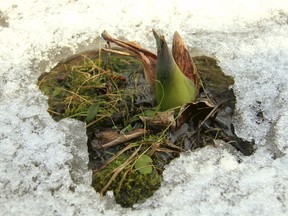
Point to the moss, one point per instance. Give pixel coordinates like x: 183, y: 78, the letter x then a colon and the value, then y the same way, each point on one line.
x: 137, y: 187
x: 101, y: 178
x: 80, y: 83
x: 130, y: 186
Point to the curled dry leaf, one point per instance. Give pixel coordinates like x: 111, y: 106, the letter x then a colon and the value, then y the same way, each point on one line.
x: 198, y: 110
x: 147, y: 58
x: 131, y: 47
x: 149, y: 69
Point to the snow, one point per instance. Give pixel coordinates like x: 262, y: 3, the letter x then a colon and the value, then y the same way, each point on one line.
x: 43, y: 164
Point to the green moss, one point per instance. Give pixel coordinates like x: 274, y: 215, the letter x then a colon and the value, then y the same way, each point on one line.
x: 101, y: 178
x: 76, y: 85
x: 137, y: 187
x: 130, y: 186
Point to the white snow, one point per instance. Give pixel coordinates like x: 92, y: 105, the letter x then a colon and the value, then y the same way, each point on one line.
x: 43, y: 164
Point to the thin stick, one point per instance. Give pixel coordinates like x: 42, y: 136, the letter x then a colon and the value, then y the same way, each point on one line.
x: 116, y: 52
x: 124, y: 138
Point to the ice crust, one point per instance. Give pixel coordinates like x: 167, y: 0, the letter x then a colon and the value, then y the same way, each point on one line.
x: 43, y: 164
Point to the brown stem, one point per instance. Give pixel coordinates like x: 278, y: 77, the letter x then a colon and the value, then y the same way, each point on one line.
x: 124, y: 138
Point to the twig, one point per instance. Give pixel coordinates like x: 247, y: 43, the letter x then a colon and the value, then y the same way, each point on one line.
x: 116, y: 52
x: 126, y: 137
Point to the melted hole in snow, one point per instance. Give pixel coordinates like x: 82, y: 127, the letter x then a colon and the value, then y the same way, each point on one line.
x: 127, y: 148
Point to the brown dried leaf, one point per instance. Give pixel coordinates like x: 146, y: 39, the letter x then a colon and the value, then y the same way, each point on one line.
x: 199, y: 110
x: 129, y: 46
x: 162, y: 119
x: 184, y: 60
x: 149, y: 69
x: 147, y: 58
x: 107, y: 135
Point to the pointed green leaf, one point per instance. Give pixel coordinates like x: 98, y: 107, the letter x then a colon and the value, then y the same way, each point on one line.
x: 150, y: 113
x: 92, y: 112
x: 56, y: 92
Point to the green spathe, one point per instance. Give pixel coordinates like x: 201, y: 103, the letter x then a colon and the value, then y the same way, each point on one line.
x: 172, y: 87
